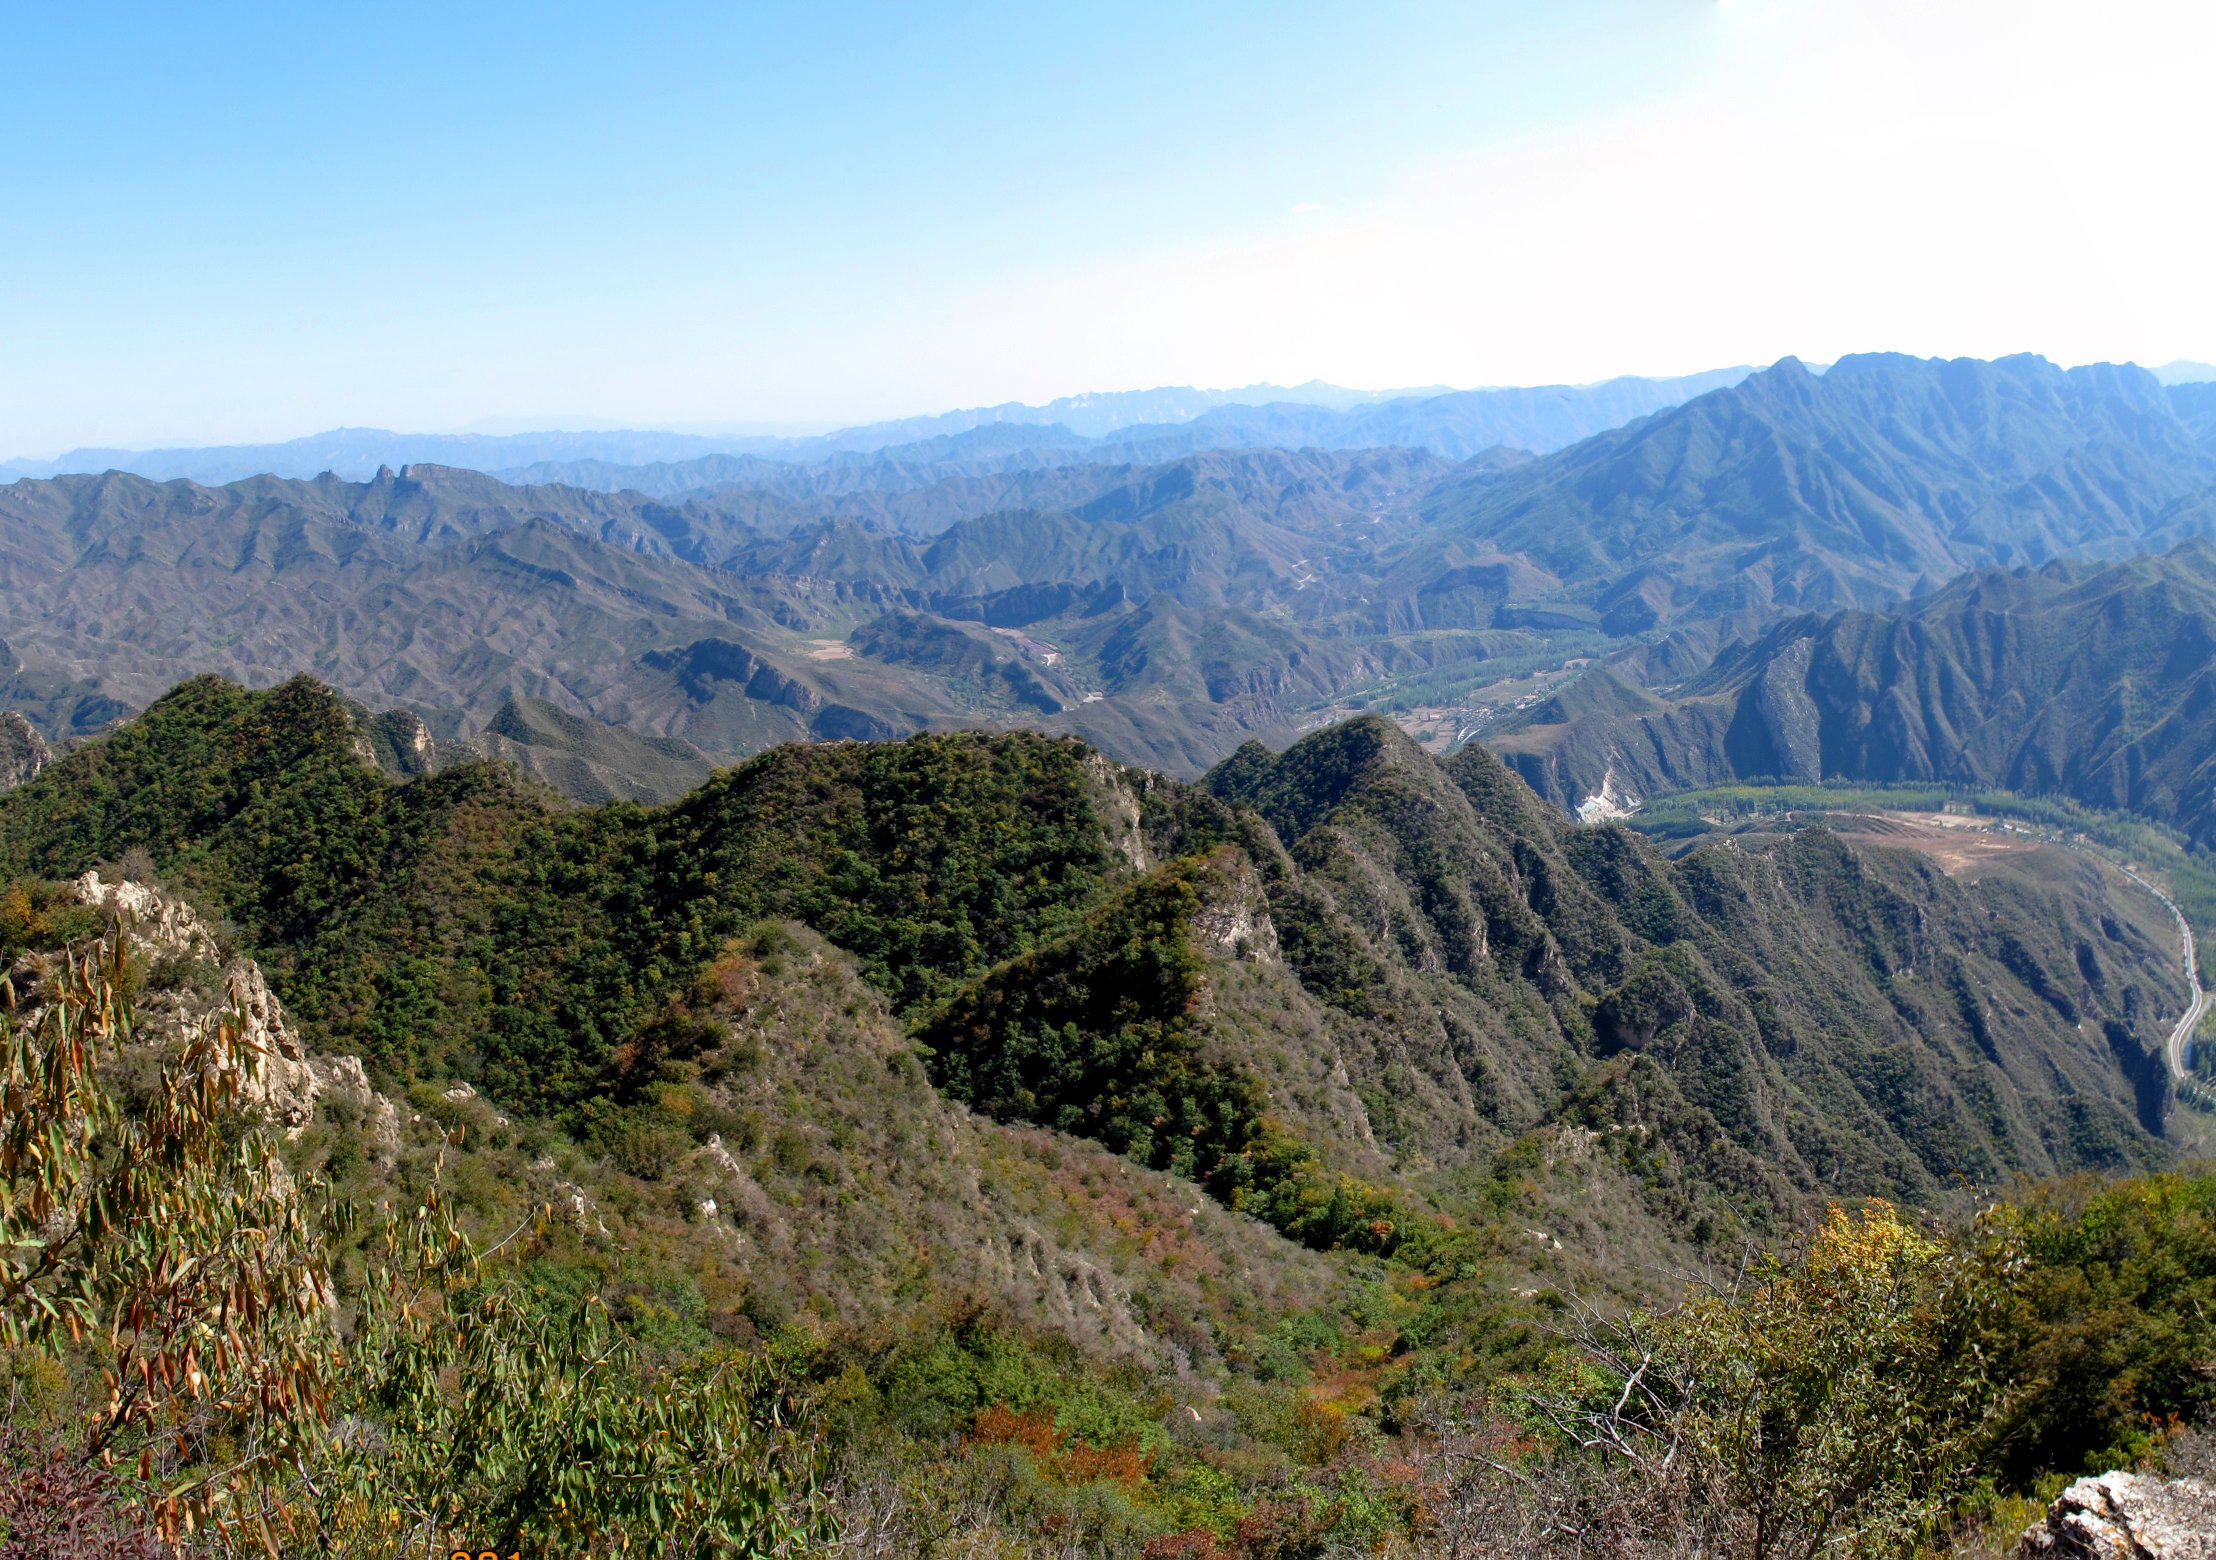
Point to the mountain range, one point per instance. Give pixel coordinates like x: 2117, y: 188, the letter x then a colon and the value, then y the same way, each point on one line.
x: 1166, y: 610
x: 1121, y: 962
x: 1388, y: 967
x: 1120, y: 1144
x: 1884, y: 477
x: 453, y: 594
x: 357, y: 452
x: 1162, y: 423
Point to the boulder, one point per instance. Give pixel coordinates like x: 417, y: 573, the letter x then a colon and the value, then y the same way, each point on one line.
x: 2126, y: 1516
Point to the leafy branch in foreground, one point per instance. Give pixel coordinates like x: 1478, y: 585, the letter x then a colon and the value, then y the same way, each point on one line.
x: 186, y: 1272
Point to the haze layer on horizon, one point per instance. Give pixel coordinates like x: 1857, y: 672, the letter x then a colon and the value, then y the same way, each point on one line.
x: 259, y: 223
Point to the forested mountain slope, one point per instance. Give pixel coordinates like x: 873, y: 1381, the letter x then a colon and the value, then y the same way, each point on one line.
x: 2089, y: 681
x: 1325, y: 985
x: 1819, y: 1001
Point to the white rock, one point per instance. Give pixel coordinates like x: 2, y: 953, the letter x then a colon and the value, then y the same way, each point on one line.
x: 2126, y: 1516
x: 287, y: 1082
x: 154, y: 926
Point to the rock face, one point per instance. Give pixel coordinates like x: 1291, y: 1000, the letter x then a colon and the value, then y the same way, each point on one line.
x: 23, y: 752
x: 2126, y: 1516
x: 172, y: 940
x: 1779, y: 730
x: 1233, y: 920
x: 1118, y: 808
x: 342, y: 1078
x: 190, y: 978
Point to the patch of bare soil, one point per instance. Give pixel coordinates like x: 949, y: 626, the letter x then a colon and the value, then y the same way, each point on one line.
x: 1956, y: 843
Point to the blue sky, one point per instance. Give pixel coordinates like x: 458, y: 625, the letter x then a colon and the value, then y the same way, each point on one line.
x: 245, y: 221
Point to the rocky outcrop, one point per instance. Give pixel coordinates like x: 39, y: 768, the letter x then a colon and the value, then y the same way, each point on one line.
x: 1118, y: 807
x: 1233, y: 920
x: 190, y: 977
x: 1606, y: 805
x: 23, y: 752
x: 194, y: 979
x: 342, y: 1078
x: 2126, y: 1516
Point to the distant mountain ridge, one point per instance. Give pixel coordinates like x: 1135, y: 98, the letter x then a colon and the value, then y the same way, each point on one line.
x: 1149, y: 606
x: 1154, y: 424
x: 1099, y: 413
x: 1454, y: 425
x: 1886, y: 476
x: 356, y: 453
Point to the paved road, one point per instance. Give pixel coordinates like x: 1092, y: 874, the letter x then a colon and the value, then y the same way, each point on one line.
x: 2182, y: 1036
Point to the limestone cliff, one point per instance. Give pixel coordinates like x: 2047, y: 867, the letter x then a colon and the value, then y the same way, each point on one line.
x: 188, y: 978
x: 23, y: 752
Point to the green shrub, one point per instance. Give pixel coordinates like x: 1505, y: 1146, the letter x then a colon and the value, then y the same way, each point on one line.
x: 648, y: 1148
x: 2113, y: 1322
x: 40, y: 915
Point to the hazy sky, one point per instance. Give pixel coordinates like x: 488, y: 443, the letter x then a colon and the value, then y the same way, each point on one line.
x: 242, y: 222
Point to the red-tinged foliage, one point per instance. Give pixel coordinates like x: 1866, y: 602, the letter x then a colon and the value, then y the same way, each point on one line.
x: 1198, y: 1544
x: 1122, y: 1463
x: 1002, y: 1425
x: 56, y: 1506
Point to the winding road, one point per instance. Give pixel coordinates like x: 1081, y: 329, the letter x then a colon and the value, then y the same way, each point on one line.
x: 2182, y: 1036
